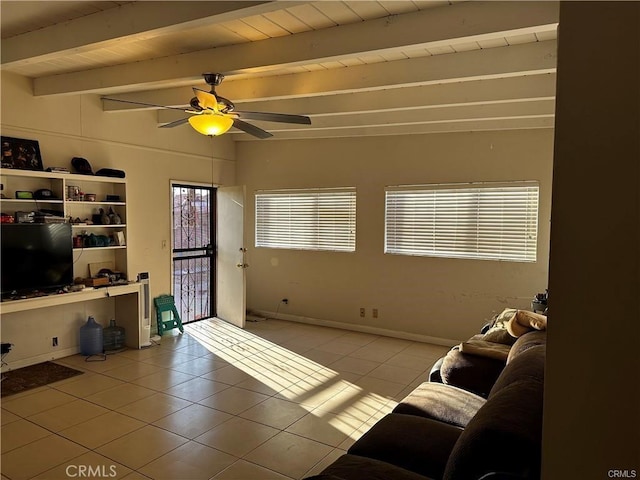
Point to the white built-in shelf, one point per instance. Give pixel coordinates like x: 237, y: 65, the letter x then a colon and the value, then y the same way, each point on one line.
x: 60, y: 175
x: 46, y: 301
x: 29, y: 200
x: 62, y: 184
x: 32, y: 173
x: 78, y: 202
x: 91, y: 178
x: 80, y: 225
x: 113, y: 247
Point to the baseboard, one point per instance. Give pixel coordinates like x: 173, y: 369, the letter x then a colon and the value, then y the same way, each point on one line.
x: 250, y: 317
x: 446, y: 342
x: 45, y: 357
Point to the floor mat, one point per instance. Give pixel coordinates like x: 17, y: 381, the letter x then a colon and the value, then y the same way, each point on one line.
x: 22, y: 379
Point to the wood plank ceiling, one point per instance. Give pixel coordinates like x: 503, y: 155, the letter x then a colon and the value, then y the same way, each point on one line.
x: 356, y: 68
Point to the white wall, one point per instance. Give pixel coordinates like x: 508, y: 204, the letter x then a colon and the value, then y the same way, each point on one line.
x: 439, y: 298
x: 591, y: 427
x: 70, y: 126
x: 442, y: 298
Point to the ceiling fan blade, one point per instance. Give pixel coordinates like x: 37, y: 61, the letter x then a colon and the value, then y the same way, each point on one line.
x: 274, y: 117
x: 206, y: 99
x: 251, y: 129
x: 142, y: 103
x: 176, y: 123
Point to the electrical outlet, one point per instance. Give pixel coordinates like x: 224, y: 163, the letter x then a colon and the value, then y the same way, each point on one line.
x: 362, y: 312
x: 374, y: 313
x: 54, y: 341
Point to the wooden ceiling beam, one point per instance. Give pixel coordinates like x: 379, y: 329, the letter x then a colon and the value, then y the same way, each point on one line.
x: 130, y: 22
x: 543, y: 108
x: 503, y: 62
x: 484, y: 92
x: 459, y: 23
x: 524, y: 123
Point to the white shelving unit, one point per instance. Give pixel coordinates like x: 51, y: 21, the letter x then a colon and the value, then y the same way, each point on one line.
x: 66, y: 187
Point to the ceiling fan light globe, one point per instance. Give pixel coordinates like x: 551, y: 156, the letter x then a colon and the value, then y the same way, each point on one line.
x: 211, y: 124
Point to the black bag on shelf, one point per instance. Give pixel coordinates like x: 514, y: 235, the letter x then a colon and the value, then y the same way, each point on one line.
x: 81, y: 165
x: 110, y: 172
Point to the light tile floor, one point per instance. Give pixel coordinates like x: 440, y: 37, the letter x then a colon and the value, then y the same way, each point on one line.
x: 278, y: 400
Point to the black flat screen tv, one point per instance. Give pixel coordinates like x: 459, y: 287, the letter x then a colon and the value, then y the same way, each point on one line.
x: 35, y: 257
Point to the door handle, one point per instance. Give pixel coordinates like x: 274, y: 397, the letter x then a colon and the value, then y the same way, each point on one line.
x: 242, y: 265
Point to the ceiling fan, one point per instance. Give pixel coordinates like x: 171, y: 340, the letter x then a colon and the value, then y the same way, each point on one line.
x: 212, y: 114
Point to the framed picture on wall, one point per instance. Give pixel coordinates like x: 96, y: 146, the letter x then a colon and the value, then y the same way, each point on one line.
x: 21, y: 154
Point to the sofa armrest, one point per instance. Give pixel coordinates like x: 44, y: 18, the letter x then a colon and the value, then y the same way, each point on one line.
x: 418, y: 444
x: 470, y: 372
x: 354, y: 467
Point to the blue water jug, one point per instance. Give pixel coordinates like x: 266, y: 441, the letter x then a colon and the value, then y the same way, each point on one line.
x: 91, y: 338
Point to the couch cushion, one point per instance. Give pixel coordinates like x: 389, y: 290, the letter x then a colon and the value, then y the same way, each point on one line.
x: 497, y: 329
x: 353, y: 467
x: 470, y: 372
x: 504, y: 436
x: 414, y: 443
x: 528, y: 365
x: 484, y: 348
x: 444, y: 403
x: 527, y: 341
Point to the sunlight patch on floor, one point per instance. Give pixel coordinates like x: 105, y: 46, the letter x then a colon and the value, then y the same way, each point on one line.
x: 318, y: 389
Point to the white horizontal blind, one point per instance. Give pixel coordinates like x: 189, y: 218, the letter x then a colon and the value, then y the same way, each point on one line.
x: 323, y: 219
x: 486, y: 221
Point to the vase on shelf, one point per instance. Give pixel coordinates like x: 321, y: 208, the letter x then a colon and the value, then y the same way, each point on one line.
x: 104, y: 217
x: 114, y: 218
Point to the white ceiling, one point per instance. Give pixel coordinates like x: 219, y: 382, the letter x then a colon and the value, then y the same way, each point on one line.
x: 355, y: 67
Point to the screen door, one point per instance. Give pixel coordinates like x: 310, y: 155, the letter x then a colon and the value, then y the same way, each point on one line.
x: 193, y: 250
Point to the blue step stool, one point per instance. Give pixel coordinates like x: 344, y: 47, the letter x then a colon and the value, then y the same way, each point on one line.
x: 167, y: 316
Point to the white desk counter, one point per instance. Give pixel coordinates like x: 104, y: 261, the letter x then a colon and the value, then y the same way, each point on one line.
x: 31, y: 323
x: 21, y: 305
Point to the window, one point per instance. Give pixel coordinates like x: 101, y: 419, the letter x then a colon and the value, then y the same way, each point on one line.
x: 322, y: 219
x: 482, y: 221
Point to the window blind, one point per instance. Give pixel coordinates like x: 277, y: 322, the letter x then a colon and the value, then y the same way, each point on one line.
x: 323, y: 219
x: 486, y: 221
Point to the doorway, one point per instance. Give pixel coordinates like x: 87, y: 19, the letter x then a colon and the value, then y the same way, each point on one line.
x: 193, y: 250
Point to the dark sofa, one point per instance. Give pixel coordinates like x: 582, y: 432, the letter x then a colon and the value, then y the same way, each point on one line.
x: 442, y: 431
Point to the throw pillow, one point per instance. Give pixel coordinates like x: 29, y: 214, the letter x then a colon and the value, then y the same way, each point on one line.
x: 524, y: 321
x: 498, y: 332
